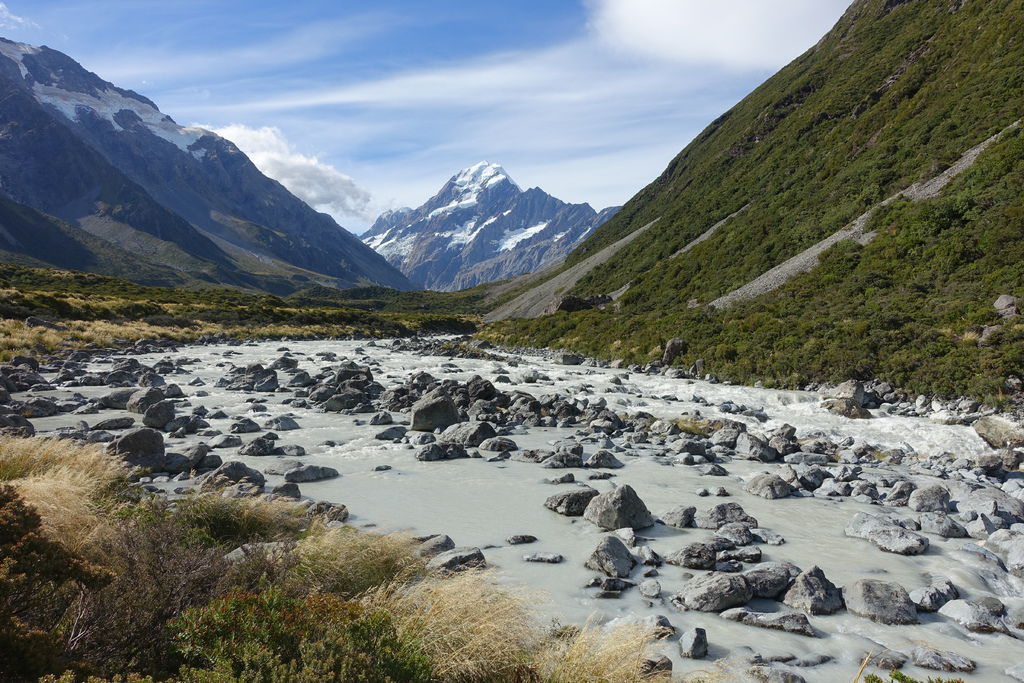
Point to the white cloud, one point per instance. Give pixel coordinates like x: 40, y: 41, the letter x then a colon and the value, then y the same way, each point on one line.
x: 9, y: 19
x: 592, y: 118
x: 739, y: 34
x: 318, y: 184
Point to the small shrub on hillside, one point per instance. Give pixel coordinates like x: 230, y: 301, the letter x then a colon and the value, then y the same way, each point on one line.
x: 159, y: 570
x: 39, y: 579
x: 231, y: 522
x: 268, y: 636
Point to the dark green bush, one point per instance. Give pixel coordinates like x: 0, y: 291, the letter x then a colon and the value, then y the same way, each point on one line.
x: 268, y: 636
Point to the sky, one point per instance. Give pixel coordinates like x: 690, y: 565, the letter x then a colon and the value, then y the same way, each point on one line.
x: 359, y: 107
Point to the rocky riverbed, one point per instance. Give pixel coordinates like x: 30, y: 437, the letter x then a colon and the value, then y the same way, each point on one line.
x: 770, y: 533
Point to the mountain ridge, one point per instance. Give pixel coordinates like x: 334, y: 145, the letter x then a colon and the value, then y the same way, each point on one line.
x: 479, y: 227
x: 108, y: 161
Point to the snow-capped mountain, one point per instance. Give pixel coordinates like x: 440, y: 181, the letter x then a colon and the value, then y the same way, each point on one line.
x: 481, y: 227
x: 182, y: 199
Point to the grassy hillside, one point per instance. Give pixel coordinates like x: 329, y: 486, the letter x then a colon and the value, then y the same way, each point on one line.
x: 893, y: 95
x: 101, y: 310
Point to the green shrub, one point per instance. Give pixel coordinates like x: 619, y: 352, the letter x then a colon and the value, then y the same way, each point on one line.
x: 271, y: 637
x: 231, y: 522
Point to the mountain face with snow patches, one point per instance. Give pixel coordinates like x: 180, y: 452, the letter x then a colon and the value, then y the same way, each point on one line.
x: 479, y: 228
x: 128, y: 183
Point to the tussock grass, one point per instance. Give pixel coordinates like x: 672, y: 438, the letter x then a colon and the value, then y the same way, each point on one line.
x: 348, y: 562
x: 471, y: 629
x: 65, y: 482
x: 231, y: 522
x: 597, y: 654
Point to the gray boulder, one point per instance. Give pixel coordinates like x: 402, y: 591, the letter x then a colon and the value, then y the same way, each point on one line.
x: 694, y: 556
x: 770, y: 580
x: 468, y: 433
x: 235, y: 471
x: 693, y: 643
x: 258, y: 447
x: 281, y: 423
x: 499, y: 444
x: 603, y: 459
x: 114, y: 423
x: 978, y: 616
x: 562, y: 460
x: 999, y: 432
x: 941, y: 524
x: 932, y: 597
x: 435, y: 545
x: 287, y: 490
x: 618, y: 508
x: 813, y: 593
x: 937, y: 660
x: 714, y: 592
x: 1006, y: 305
x: 680, y: 517
x: 673, y: 347
x: 770, y: 486
x: 141, y: 399
x: 118, y: 398
x: 723, y: 513
x: 457, y: 560
x: 571, y: 503
x: 142, y: 447
x: 612, y: 558
x: 790, y: 622
x: 305, y: 473
x: 994, y: 503
x: 885, y: 534
x: 931, y: 498
x: 880, y: 601
x: 159, y: 414
x: 390, y: 434
x: 434, y: 411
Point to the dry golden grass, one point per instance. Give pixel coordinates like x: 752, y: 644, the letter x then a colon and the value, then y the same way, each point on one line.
x: 235, y: 521
x: 471, y: 629
x: 597, y: 654
x: 62, y: 480
x: 348, y: 562
x: 16, y: 338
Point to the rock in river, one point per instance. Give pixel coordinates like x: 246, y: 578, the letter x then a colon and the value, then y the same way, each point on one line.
x: 887, y: 535
x: 881, y: 601
x: 434, y: 411
x: 618, y: 508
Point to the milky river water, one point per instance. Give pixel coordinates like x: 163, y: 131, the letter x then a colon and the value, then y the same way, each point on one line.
x: 480, y: 503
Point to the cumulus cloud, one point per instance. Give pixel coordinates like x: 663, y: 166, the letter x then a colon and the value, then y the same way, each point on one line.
x: 318, y: 184
x: 739, y: 34
x: 9, y: 19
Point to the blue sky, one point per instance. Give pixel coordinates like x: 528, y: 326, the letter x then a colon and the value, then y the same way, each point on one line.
x: 363, y: 106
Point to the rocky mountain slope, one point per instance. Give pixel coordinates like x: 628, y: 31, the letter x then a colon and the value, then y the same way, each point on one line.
x: 479, y: 228
x: 856, y: 215
x: 108, y: 162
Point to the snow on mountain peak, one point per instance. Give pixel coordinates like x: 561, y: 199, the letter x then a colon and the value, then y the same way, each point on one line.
x: 468, y: 183
x: 105, y: 101
x: 481, y: 175
x: 16, y: 51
